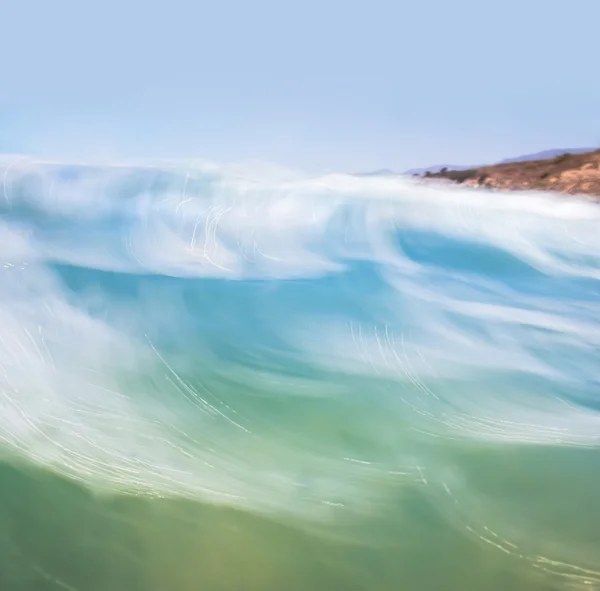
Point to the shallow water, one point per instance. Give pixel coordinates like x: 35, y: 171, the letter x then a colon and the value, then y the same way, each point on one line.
x: 218, y: 377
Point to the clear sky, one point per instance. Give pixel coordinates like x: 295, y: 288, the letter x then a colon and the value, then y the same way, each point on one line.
x: 316, y: 84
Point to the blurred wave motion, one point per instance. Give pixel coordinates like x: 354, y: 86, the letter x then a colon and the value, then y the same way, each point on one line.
x: 242, y: 377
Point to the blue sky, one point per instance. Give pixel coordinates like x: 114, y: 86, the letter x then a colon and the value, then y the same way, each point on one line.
x: 319, y: 85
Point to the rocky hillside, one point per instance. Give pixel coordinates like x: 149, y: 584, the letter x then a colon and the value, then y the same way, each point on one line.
x: 567, y: 173
x: 546, y: 154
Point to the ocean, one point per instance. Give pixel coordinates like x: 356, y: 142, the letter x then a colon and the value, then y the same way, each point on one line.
x: 240, y: 377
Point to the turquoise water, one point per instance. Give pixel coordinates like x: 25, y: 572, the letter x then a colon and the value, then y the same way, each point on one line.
x: 235, y: 377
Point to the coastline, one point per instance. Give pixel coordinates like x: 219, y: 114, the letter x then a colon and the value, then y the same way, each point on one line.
x: 567, y: 174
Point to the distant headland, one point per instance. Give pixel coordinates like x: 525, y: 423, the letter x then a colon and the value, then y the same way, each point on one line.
x: 570, y: 172
x: 573, y: 171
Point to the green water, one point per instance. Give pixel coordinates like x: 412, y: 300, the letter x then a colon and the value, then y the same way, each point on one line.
x: 55, y: 534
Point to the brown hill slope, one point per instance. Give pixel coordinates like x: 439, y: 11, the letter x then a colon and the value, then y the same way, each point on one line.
x: 569, y: 173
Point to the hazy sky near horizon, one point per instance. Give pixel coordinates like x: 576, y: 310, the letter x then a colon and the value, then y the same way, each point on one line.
x: 320, y: 85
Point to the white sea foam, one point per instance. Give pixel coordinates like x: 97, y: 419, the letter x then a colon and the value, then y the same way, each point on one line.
x: 427, y: 312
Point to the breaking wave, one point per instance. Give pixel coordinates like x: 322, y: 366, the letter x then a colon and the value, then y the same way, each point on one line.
x: 356, y: 358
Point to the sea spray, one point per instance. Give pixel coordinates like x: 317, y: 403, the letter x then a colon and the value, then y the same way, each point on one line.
x: 228, y: 377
